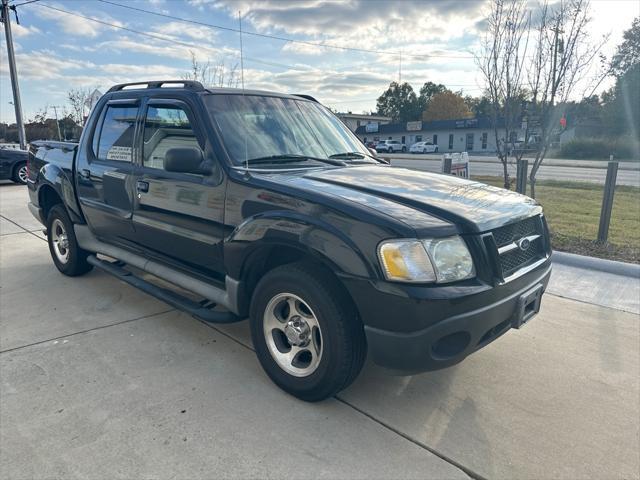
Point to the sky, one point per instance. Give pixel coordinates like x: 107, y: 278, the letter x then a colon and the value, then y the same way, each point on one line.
x: 412, y: 40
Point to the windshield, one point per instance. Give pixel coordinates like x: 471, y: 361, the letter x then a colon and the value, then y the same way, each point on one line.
x: 255, y: 127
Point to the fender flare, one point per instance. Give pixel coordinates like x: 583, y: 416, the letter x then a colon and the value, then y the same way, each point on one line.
x: 285, y: 228
x: 56, y: 178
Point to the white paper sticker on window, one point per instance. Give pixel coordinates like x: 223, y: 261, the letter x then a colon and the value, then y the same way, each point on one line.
x: 118, y: 153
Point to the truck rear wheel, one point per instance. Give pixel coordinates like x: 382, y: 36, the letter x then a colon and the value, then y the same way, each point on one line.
x: 306, y: 332
x: 67, y: 256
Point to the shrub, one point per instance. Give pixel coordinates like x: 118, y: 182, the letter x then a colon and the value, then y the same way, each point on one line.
x: 601, y: 148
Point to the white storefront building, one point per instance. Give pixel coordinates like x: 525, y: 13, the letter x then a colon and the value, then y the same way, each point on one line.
x: 466, y: 135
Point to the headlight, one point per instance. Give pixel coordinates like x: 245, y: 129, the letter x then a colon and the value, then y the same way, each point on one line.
x: 451, y: 258
x: 406, y: 261
x: 439, y: 260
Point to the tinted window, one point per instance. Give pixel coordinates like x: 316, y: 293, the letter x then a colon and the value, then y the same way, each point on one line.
x: 116, y: 135
x: 165, y: 127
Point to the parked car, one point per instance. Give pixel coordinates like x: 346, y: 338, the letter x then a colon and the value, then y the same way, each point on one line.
x: 423, y: 147
x: 532, y: 144
x: 390, y: 146
x: 13, y: 165
x: 288, y: 219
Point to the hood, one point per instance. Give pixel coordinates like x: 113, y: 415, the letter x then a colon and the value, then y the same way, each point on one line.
x: 471, y: 206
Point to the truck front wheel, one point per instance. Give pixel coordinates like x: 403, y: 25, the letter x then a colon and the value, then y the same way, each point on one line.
x: 306, y: 332
x: 67, y: 256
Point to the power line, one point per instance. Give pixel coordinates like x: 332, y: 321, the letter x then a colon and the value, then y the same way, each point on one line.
x: 175, y: 41
x: 195, y: 46
x: 15, y: 5
x: 113, y: 25
x: 284, y: 39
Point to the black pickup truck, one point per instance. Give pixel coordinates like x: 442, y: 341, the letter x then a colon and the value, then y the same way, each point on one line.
x: 266, y: 206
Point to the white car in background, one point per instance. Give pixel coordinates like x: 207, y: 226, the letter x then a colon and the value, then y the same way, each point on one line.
x: 390, y: 146
x: 423, y: 147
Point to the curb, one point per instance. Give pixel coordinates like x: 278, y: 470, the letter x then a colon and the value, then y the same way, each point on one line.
x: 593, y: 263
x: 630, y: 166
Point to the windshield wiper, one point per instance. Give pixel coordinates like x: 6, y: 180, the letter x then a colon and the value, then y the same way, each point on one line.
x: 292, y: 157
x: 347, y: 155
x: 352, y: 156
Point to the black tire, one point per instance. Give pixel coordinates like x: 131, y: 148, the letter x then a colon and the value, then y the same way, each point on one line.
x: 343, y: 341
x: 18, y: 176
x: 72, y: 260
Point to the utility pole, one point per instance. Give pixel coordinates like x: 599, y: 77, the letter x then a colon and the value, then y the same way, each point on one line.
x: 17, y: 104
x: 55, y: 110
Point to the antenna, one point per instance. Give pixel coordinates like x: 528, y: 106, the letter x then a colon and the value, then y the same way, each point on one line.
x: 241, y: 52
x: 246, y: 153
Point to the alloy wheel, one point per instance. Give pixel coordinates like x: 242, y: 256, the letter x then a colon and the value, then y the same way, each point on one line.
x: 60, y: 241
x: 293, y: 335
x: 23, y: 174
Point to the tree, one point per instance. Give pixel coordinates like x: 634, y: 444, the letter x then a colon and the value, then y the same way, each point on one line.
x: 399, y: 102
x: 77, y: 98
x: 589, y: 108
x: 446, y: 106
x: 628, y: 52
x: 563, y: 56
x: 427, y: 92
x: 215, y: 75
x: 501, y: 62
x: 479, y: 106
x: 622, y: 108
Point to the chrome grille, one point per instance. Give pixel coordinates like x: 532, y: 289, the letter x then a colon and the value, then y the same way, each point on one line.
x: 511, y: 260
x: 515, y: 259
x: 515, y: 231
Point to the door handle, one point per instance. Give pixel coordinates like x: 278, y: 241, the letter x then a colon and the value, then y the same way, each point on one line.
x: 142, y: 186
x: 85, y: 173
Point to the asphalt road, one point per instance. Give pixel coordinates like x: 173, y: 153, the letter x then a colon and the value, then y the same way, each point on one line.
x: 101, y: 381
x: 481, y: 166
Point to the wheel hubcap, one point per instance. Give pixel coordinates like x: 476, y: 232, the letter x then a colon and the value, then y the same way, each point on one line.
x: 293, y: 334
x: 60, y: 241
x: 22, y: 174
x: 297, y: 332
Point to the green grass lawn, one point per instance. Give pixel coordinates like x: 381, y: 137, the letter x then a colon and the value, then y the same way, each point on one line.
x: 573, y: 214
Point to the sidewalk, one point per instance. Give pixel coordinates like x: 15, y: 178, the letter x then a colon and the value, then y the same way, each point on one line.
x: 577, y: 279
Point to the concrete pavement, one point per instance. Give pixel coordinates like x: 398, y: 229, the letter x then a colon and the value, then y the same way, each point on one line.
x: 101, y: 381
x: 491, y: 167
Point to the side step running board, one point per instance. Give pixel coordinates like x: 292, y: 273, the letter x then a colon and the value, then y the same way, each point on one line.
x: 172, y: 298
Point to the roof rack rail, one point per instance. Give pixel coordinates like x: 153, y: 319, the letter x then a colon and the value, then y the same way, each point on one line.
x: 187, y: 84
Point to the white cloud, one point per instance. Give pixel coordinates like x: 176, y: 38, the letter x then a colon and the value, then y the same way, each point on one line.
x: 78, y: 26
x: 178, y: 29
x: 167, y: 50
x: 304, y: 49
x: 20, y: 31
x: 43, y: 65
x: 390, y: 23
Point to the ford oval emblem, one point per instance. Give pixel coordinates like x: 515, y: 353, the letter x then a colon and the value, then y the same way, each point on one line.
x: 523, y: 244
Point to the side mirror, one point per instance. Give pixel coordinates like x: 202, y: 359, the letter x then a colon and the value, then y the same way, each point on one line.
x: 373, y: 151
x: 185, y: 160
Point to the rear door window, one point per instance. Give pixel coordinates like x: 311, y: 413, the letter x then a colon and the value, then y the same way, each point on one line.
x: 115, y: 142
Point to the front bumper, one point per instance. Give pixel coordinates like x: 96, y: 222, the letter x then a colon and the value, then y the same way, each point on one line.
x: 452, y: 322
